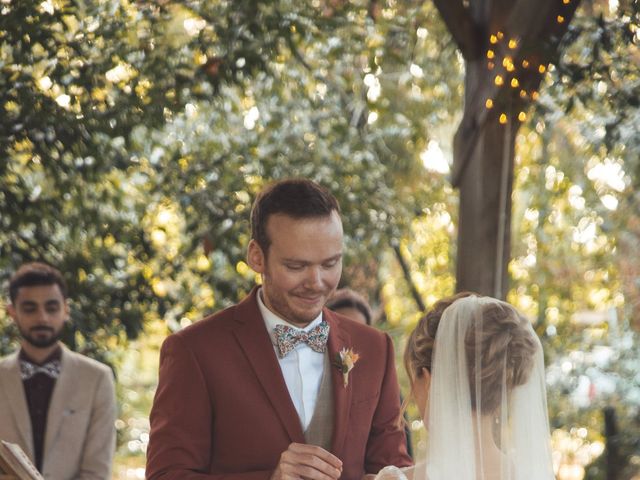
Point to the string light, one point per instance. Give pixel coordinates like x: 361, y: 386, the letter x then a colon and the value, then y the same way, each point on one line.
x: 507, y: 63
x: 560, y: 19
x: 493, y: 39
x: 490, y: 54
x: 525, y: 64
x: 566, y: 2
x: 490, y: 65
x: 499, y: 80
x: 503, y: 118
x: 542, y: 69
x: 522, y: 116
x: 500, y: 35
x: 513, y: 43
x: 535, y: 95
x: 515, y: 83
x: 488, y: 103
x: 523, y: 94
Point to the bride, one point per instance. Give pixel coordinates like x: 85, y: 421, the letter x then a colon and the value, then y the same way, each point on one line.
x: 477, y: 376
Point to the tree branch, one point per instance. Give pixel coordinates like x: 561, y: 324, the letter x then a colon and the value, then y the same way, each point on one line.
x: 460, y: 24
x: 407, y: 276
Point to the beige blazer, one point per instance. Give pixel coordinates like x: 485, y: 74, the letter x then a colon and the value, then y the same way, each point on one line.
x: 80, y: 433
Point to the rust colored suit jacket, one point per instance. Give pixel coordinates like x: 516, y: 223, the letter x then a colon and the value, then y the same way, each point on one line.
x: 222, y: 409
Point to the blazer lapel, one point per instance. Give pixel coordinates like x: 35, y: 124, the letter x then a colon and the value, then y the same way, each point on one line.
x: 58, y: 407
x: 14, y: 390
x: 254, y: 340
x: 338, y: 339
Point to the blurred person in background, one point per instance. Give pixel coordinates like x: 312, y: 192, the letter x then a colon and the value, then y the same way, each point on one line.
x: 57, y: 405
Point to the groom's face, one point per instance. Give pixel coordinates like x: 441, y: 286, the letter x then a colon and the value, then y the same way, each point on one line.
x: 302, y: 266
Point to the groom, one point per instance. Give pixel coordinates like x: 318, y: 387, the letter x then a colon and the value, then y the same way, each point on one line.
x: 260, y: 390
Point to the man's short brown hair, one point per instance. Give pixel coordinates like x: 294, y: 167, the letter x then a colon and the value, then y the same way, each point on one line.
x: 297, y: 198
x: 34, y: 274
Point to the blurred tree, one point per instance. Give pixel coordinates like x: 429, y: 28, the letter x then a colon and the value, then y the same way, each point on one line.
x: 576, y: 269
x: 137, y: 134
x: 134, y: 136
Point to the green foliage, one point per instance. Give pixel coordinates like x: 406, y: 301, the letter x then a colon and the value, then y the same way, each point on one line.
x: 576, y: 203
x: 135, y: 135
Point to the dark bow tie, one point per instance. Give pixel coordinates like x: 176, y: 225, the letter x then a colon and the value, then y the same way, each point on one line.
x: 287, y: 338
x: 28, y: 369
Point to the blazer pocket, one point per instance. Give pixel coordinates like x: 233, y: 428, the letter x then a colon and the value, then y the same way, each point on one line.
x: 73, y: 428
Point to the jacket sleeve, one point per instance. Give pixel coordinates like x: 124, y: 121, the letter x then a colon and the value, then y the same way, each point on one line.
x: 387, y: 444
x: 181, y: 420
x: 100, y: 440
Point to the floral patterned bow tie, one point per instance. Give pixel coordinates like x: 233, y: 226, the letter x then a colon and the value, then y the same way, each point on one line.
x: 28, y: 369
x: 287, y: 338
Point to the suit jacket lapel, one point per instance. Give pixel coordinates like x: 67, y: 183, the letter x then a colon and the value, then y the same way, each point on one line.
x: 254, y: 340
x: 338, y: 339
x: 14, y: 390
x: 58, y: 407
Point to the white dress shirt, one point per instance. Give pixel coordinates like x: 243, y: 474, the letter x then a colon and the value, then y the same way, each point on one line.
x: 302, y: 368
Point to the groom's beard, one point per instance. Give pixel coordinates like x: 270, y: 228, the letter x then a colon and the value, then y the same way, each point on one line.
x: 41, y: 336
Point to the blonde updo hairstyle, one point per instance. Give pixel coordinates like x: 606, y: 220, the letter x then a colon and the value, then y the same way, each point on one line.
x: 504, y: 335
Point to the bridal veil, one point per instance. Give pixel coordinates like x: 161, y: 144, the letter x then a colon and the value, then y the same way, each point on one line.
x: 486, y: 413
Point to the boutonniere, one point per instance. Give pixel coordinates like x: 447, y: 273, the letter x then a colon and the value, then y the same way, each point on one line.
x: 345, y: 361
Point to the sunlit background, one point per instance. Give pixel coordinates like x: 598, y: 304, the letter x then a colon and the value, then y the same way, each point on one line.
x: 136, y: 135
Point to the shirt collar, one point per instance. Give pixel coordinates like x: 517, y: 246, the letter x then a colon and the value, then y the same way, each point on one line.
x: 271, y: 319
x: 55, y: 355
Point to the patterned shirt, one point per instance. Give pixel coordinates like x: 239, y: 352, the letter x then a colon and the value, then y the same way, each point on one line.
x: 38, y: 389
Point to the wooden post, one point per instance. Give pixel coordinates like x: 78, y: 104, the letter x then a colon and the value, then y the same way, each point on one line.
x: 613, y: 462
x: 507, y: 45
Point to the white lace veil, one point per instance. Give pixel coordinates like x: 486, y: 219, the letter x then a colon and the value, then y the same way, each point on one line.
x: 483, y: 347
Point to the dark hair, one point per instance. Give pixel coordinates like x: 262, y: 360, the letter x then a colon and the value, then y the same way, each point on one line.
x: 297, y: 198
x: 347, y: 298
x: 504, y: 335
x: 35, y: 274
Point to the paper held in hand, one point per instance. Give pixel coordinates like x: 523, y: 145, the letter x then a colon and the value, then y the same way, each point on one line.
x: 14, y: 463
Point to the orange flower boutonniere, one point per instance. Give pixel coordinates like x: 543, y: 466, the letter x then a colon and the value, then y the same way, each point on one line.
x: 346, y: 360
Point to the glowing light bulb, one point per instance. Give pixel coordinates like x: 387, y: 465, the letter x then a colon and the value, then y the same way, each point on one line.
x: 560, y: 19
x: 500, y: 35
x: 490, y: 65
x: 523, y: 94
x: 522, y: 116
x: 542, y: 69
x: 490, y: 54
x: 525, y: 64
x: 515, y: 83
x: 535, y: 95
x: 513, y: 43
x: 493, y: 39
x: 499, y: 80
x: 507, y: 62
x: 503, y: 118
x: 488, y: 103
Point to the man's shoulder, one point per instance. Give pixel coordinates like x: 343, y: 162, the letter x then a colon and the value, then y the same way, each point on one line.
x: 8, y: 361
x: 85, y: 363
x: 224, y: 320
x: 215, y: 322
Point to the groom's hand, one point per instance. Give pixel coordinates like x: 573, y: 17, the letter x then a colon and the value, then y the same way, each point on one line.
x: 311, y: 462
